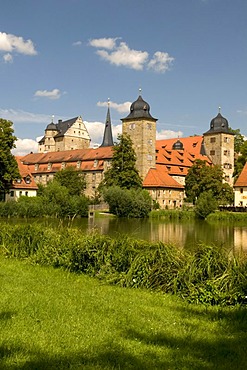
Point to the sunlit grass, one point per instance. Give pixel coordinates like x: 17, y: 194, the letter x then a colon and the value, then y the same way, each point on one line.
x: 53, y: 319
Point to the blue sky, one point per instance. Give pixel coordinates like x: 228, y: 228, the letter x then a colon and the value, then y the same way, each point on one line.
x: 67, y: 57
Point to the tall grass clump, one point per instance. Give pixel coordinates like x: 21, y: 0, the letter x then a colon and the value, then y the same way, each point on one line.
x: 208, y: 275
x: 172, y: 214
x: 227, y: 216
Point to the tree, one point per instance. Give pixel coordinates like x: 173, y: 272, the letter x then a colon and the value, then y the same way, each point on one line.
x: 205, y: 204
x: 128, y: 203
x: 8, y: 166
x: 72, y: 179
x: 203, y: 178
x: 240, y: 160
x: 238, y: 139
x: 123, y: 172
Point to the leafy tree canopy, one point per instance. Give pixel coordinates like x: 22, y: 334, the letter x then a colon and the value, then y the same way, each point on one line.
x: 123, y: 172
x: 8, y: 166
x: 238, y: 139
x: 240, y: 160
x: 72, y: 179
x: 203, y: 178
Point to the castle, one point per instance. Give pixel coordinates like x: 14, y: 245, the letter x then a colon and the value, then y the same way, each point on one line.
x: 162, y: 164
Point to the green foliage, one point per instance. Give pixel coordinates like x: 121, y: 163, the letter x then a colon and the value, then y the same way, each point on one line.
x: 241, y: 160
x: 202, y: 178
x: 128, y: 203
x: 53, y: 200
x: 207, y: 275
x: 205, y: 204
x: 238, y: 139
x: 123, y: 172
x: 173, y: 214
x: 72, y: 179
x: 8, y: 166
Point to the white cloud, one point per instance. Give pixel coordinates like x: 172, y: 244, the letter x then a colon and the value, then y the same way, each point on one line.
x: 96, y: 131
x: 168, y: 134
x: 53, y: 94
x: 124, y: 56
x: 121, y: 108
x: 11, y: 43
x: 8, y: 58
x: 105, y: 43
x: 244, y: 112
x: 120, y: 54
x: 77, y: 43
x: 160, y: 62
x: 20, y: 116
x: 25, y: 146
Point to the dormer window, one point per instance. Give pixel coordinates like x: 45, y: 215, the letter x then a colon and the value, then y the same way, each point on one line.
x: 18, y: 181
x: 63, y: 165
x: 36, y: 167
x: 28, y: 180
x: 49, y: 166
x: 95, y: 163
x: 78, y: 164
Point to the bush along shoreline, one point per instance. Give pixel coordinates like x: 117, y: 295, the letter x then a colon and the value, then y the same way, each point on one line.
x: 209, y: 275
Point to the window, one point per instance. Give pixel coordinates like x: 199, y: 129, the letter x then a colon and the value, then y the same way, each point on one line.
x: 132, y: 126
x: 49, y: 166
x: 78, y: 164
x: 20, y: 193
x: 28, y: 180
x: 228, y: 165
x: 95, y: 163
x: 150, y: 141
x: 26, y: 193
x: 212, y: 140
x: 212, y: 152
x: 63, y: 165
x: 149, y: 126
x: 36, y: 167
x: 227, y: 152
x: 241, y: 190
x: 12, y: 193
x: 149, y: 157
x: 226, y: 139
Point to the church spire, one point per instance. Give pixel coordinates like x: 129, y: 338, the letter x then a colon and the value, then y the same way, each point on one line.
x: 107, y: 139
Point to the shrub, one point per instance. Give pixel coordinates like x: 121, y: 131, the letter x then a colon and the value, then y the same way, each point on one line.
x: 205, y: 204
x: 128, y: 203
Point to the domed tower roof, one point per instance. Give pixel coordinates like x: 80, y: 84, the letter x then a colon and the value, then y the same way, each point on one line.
x: 140, y: 109
x: 178, y: 145
x: 218, y: 124
x: 52, y: 126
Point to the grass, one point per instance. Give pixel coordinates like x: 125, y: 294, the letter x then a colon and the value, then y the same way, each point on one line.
x: 53, y: 319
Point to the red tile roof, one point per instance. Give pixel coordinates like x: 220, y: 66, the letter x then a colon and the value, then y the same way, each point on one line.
x: 25, y: 173
x: 242, y: 179
x: 69, y: 156
x: 158, y: 177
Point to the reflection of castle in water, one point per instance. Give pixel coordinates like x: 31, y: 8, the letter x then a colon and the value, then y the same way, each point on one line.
x: 187, y: 234
x: 240, y: 238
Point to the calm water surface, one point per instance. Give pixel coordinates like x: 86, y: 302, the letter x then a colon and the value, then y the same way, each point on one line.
x: 184, y: 234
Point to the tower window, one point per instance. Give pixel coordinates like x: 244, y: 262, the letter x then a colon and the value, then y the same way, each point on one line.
x: 227, y: 152
x: 226, y: 139
x: 212, y: 140
x: 212, y: 152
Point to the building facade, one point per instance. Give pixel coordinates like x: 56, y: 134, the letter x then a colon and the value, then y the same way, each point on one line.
x: 162, y: 164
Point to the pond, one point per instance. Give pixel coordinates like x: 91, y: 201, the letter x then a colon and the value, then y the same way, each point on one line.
x: 184, y: 234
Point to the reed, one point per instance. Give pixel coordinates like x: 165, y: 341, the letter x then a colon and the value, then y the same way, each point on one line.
x: 208, y: 275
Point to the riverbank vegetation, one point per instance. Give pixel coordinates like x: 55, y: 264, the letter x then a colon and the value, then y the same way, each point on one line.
x: 208, y: 275
x: 51, y: 319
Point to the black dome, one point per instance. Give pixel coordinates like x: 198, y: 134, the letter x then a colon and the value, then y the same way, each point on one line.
x: 139, y: 109
x: 218, y: 124
x: 51, y: 126
x: 178, y: 145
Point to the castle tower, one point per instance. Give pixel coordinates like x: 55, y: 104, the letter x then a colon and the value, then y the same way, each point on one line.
x: 219, y: 146
x: 49, y: 142
x: 141, y: 127
x: 107, y: 139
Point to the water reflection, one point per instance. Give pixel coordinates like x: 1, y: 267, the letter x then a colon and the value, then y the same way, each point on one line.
x: 186, y: 234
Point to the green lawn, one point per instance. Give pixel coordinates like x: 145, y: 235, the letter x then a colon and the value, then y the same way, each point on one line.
x: 52, y: 319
